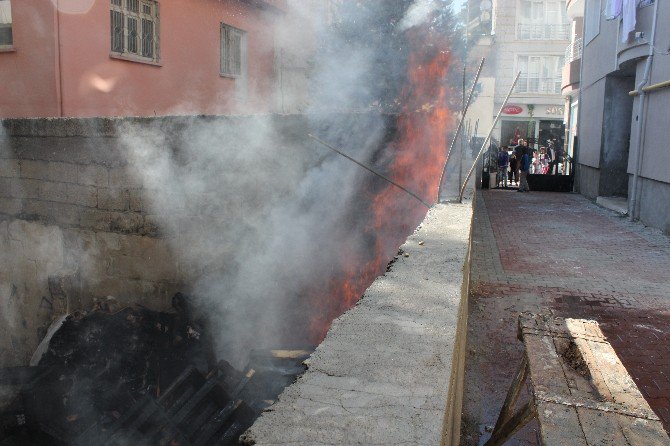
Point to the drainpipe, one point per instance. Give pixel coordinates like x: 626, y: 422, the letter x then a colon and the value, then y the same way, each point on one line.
x: 633, y: 206
x: 576, y: 177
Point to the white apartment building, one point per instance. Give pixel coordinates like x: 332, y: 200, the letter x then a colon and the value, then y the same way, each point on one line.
x: 527, y: 36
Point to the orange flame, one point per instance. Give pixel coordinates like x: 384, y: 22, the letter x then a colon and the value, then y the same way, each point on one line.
x: 418, y: 156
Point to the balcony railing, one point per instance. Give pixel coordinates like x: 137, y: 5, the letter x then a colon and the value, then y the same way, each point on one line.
x: 527, y: 31
x: 573, y: 51
x: 536, y: 84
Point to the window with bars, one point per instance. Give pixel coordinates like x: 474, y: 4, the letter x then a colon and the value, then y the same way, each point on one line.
x: 539, y: 74
x: 233, y: 49
x: 134, y: 28
x: 6, y: 39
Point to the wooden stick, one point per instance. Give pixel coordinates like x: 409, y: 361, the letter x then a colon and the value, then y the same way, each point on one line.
x: 458, y: 129
x: 488, y: 137
x: 512, y: 395
x: 516, y: 422
x: 369, y: 169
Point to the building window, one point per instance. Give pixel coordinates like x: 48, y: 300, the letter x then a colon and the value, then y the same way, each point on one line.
x: 539, y: 74
x: 233, y: 49
x: 6, y: 39
x: 542, y: 20
x: 134, y: 29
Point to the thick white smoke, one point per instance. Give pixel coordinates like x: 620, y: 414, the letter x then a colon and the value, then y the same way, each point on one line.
x: 419, y: 12
x: 257, y: 212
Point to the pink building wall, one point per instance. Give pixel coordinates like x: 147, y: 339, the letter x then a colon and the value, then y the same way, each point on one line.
x: 28, y: 81
x: 186, y: 81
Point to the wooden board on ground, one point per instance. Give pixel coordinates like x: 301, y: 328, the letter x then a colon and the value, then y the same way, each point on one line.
x: 582, y: 393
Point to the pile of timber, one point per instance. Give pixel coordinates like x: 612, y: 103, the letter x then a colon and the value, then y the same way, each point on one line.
x: 140, y: 377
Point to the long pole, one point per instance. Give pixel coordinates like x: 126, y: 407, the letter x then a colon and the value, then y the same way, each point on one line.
x: 460, y: 124
x: 460, y: 159
x: 368, y: 169
x: 488, y: 137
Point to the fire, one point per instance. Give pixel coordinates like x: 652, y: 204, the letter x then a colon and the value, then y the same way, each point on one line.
x: 419, y: 152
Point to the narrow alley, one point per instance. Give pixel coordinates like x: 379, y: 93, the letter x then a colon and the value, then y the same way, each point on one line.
x: 561, y: 254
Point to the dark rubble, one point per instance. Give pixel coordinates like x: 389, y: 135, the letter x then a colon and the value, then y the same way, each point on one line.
x: 141, y: 377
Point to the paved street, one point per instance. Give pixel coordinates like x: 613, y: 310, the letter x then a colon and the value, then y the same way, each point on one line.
x: 562, y: 254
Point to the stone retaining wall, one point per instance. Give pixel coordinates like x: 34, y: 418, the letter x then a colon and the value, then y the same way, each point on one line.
x: 74, y: 205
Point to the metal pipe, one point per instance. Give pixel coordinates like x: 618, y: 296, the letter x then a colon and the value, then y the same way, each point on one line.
x: 641, y: 120
x: 368, y: 169
x: 488, y: 137
x: 649, y: 88
x: 458, y: 129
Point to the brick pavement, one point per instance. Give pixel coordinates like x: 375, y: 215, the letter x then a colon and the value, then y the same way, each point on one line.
x: 560, y: 253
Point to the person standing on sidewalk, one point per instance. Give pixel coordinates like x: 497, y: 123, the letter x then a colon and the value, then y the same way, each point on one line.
x: 519, y: 150
x: 503, y: 161
x: 524, y: 168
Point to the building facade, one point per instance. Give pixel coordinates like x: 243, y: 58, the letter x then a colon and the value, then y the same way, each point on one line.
x: 571, y: 73
x: 139, y: 57
x: 526, y: 36
x: 623, y: 99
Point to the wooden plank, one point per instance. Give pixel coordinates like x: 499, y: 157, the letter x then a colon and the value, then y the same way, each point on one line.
x: 601, y: 428
x: 503, y: 432
x: 594, y: 402
x: 640, y: 431
x: 559, y: 425
x: 512, y: 394
x: 615, y: 377
x: 574, y: 368
x: 591, y: 329
x: 546, y: 372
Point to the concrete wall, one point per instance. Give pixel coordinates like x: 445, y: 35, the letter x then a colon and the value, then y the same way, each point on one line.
x: 92, y: 264
x: 618, y: 107
x: 71, y: 174
x: 70, y: 208
x: 587, y: 181
x: 62, y: 66
x: 600, y: 123
x: 74, y: 208
x: 655, y: 208
x: 81, y: 219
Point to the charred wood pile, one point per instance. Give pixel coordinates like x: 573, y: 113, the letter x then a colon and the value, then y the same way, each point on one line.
x: 138, y: 377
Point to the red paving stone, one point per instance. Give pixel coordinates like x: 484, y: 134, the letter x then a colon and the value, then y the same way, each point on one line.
x: 559, y: 253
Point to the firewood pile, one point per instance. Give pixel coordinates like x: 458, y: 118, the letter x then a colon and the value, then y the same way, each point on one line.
x: 139, y: 377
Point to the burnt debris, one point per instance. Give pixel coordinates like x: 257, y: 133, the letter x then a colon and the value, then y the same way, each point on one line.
x: 139, y: 377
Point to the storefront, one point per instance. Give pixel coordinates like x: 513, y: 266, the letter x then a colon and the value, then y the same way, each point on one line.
x: 538, y: 124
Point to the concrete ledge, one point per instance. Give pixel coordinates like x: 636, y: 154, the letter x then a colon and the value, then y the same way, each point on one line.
x: 616, y: 204
x: 383, y: 373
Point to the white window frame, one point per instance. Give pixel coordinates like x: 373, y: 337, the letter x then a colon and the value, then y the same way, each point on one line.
x: 7, y: 24
x: 542, y: 27
x: 524, y: 83
x: 233, y: 52
x: 125, y: 45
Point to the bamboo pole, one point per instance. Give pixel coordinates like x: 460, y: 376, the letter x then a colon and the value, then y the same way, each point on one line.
x: 458, y: 129
x: 368, y: 169
x: 488, y: 137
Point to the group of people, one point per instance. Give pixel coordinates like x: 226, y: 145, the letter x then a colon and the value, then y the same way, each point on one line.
x: 517, y: 161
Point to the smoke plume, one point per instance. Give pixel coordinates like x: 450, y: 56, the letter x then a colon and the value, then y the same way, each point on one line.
x: 275, y: 234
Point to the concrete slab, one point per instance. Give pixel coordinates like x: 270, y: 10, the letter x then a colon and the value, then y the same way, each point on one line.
x: 616, y: 204
x: 383, y: 373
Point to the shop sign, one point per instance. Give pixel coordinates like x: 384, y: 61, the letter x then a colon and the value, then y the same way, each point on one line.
x: 512, y: 109
x: 555, y: 110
